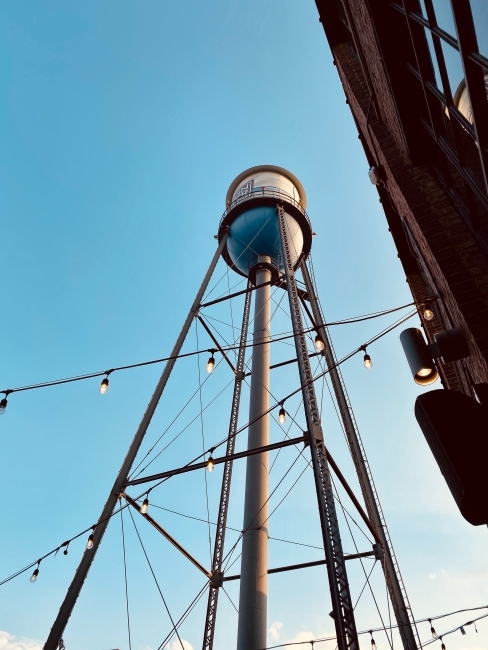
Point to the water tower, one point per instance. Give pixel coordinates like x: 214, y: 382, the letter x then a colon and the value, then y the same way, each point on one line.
x: 260, y: 202
x: 265, y: 235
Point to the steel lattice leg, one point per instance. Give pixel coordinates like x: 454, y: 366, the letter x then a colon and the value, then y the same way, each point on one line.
x: 345, y: 624
x: 393, y: 578
x: 216, y: 580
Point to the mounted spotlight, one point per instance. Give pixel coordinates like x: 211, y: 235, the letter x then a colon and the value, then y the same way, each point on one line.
x: 450, y: 345
x: 428, y: 313
x: 419, y: 357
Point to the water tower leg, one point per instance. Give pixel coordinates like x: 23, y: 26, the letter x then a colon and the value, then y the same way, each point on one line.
x: 252, y: 626
x: 79, y: 578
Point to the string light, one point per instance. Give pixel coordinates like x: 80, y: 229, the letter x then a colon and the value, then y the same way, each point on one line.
x: 33, y: 577
x: 104, y: 383
x: 282, y: 414
x: 89, y: 544
x: 373, y: 644
x: 319, y: 344
x: 144, y: 507
x: 366, y: 359
x: 67, y: 380
x: 211, y: 362
x: 443, y: 647
x: 433, y: 632
x: 210, y: 464
x: 4, y: 402
x: 65, y: 552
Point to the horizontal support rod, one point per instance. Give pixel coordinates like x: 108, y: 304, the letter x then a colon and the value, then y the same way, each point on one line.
x: 219, y: 347
x: 216, y: 461
x: 164, y: 533
x: 286, y: 363
x: 282, y: 285
x: 233, y: 295
x: 306, y: 565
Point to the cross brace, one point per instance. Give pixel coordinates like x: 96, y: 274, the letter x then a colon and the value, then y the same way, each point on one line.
x: 218, y: 461
x: 306, y: 565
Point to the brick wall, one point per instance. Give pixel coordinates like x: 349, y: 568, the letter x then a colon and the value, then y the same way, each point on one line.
x: 448, y: 249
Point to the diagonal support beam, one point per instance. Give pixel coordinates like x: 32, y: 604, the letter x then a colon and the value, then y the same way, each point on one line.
x: 165, y: 534
x: 217, y: 344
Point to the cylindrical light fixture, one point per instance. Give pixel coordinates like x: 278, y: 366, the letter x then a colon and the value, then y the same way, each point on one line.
x: 419, y: 357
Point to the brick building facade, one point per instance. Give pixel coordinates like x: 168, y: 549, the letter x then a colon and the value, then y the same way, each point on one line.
x: 430, y: 155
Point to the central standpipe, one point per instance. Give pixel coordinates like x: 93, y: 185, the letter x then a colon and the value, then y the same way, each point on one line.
x: 252, y: 627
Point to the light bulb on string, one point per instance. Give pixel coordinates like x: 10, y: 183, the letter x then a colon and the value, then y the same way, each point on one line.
x: 319, y: 344
x: 366, y: 359
x: 373, y: 644
x: 211, y: 362
x: 33, y: 577
x: 144, y: 507
x: 65, y: 552
x: 282, y: 415
x: 432, y: 630
x: 443, y: 647
x: 4, y: 402
x: 104, y: 383
x: 89, y: 543
x: 210, y: 464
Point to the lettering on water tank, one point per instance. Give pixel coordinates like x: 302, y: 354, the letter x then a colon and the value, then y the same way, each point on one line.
x: 247, y: 188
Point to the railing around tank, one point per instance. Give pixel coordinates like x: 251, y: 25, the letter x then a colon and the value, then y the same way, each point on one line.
x: 268, y: 192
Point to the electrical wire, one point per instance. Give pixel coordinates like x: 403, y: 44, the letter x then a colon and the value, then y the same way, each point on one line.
x: 299, y: 389
x: 125, y: 579
x: 131, y: 475
x: 184, y: 616
x: 439, y: 637
x: 229, y: 554
x: 236, y: 530
x: 380, y: 629
x: 101, y: 373
x: 231, y: 601
x: 337, y: 497
x: 156, y: 581
x: 203, y: 445
x: 86, y: 530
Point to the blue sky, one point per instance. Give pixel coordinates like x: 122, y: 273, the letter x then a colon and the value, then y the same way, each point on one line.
x: 123, y: 124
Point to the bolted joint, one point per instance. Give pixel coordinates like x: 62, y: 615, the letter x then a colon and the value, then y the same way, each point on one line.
x: 378, y: 551
x: 217, y: 579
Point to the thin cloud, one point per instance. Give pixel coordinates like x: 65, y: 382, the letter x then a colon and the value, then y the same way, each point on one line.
x: 275, y: 629
x: 11, y: 642
x: 175, y: 645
